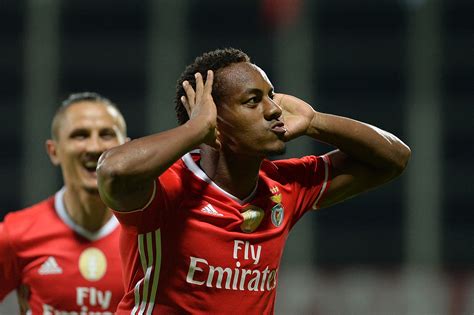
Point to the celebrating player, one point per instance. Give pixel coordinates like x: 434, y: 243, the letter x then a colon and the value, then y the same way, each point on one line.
x: 61, y: 255
x: 204, y: 232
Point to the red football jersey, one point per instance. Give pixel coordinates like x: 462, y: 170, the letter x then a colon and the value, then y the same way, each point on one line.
x: 67, y: 268
x: 197, y: 249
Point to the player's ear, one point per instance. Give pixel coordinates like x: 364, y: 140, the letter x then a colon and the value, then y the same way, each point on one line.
x: 51, y: 149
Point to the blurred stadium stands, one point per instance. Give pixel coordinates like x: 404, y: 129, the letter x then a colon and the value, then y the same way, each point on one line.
x: 404, y: 65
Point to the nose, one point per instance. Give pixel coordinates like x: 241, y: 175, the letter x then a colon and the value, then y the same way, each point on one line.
x: 271, y: 109
x: 95, y: 144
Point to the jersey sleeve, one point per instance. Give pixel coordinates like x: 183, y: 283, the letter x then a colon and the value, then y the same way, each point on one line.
x: 309, y: 178
x: 151, y: 216
x: 10, y: 275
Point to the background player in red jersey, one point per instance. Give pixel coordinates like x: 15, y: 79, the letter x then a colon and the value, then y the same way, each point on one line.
x: 61, y: 255
x: 204, y: 234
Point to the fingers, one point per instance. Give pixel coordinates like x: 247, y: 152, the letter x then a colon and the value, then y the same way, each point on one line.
x: 278, y: 98
x: 186, y: 105
x: 190, y: 94
x: 199, y: 86
x: 209, y: 81
x: 202, y: 88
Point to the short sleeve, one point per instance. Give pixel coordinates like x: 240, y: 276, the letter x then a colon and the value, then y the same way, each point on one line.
x: 152, y: 215
x: 309, y: 179
x: 324, y: 167
x: 10, y: 276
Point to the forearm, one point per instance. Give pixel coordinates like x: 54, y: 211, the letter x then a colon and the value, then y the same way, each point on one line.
x: 367, y: 144
x: 131, y: 168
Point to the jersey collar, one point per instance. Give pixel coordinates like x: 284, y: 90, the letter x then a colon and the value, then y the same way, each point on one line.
x: 105, y: 230
x: 196, y: 170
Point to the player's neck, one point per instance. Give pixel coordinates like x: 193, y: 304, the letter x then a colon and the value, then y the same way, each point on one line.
x: 86, y: 209
x: 238, y: 175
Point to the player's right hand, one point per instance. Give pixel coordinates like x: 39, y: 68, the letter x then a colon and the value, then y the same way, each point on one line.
x: 201, y: 107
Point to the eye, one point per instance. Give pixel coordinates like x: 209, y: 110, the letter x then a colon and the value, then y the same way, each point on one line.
x: 108, y: 134
x: 271, y: 94
x: 79, y: 135
x: 253, y: 101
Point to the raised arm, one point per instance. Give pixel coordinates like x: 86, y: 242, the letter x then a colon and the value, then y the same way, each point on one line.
x: 126, y: 173
x: 366, y: 156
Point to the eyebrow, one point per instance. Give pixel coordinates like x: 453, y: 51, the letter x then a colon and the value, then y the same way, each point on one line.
x: 253, y: 91
x: 87, y: 130
x: 76, y: 130
x: 256, y: 91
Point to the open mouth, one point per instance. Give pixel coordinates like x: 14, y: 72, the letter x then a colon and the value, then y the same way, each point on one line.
x: 90, y: 166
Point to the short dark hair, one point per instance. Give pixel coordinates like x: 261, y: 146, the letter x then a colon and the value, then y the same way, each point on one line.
x: 77, y: 98
x: 212, y: 60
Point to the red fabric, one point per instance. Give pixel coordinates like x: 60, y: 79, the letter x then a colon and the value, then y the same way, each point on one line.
x: 39, y: 250
x: 187, y: 253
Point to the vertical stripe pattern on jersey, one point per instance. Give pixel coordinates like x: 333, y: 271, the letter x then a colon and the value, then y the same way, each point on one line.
x: 156, y: 274
x: 149, y: 248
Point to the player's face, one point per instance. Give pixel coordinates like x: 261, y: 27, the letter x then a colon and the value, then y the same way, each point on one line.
x: 86, y: 130
x: 249, y: 121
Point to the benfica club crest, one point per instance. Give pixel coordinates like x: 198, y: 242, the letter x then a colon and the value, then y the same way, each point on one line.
x: 277, y: 214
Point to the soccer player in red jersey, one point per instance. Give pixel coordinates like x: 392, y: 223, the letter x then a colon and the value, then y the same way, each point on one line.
x: 204, y: 233
x: 62, y: 254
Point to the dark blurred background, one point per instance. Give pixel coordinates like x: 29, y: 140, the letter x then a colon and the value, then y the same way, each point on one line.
x: 406, y: 66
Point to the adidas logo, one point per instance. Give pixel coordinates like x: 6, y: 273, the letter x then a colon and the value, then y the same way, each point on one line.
x: 210, y: 210
x: 50, y: 267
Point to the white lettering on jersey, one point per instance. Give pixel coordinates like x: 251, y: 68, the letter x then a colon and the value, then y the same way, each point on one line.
x: 248, y: 249
x: 192, y: 268
x: 93, y: 297
x: 240, y: 278
x: 49, y: 310
x: 200, y: 272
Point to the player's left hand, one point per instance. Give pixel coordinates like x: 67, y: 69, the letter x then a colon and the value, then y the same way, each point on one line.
x: 296, y: 114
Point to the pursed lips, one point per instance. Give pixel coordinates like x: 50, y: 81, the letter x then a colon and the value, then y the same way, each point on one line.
x: 278, y: 127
